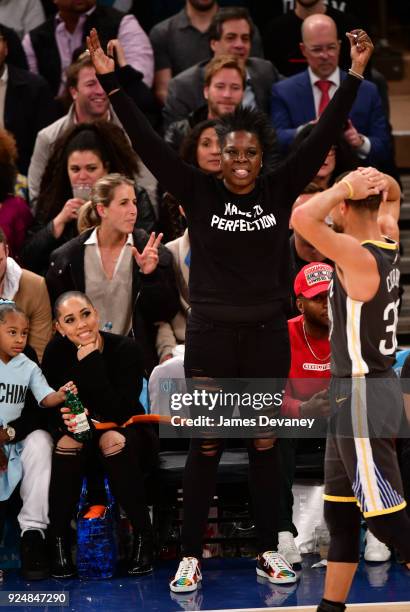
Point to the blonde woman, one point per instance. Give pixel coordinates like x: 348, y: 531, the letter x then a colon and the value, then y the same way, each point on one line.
x: 127, y: 274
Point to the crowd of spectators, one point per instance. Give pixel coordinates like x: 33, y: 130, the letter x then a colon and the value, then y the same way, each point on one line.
x: 79, y: 205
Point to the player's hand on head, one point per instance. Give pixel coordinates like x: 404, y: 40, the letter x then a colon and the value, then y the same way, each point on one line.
x: 362, y: 183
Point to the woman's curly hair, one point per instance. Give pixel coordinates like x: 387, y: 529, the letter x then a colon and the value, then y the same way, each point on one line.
x: 245, y: 119
x: 105, y: 139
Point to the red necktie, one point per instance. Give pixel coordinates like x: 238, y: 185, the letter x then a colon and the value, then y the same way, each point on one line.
x: 324, y: 87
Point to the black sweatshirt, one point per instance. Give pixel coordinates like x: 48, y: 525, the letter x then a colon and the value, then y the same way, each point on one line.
x: 239, y: 243
x: 109, y: 383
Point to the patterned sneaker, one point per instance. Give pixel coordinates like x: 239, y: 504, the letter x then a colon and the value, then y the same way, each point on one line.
x: 187, y: 577
x: 288, y: 549
x: 275, y: 568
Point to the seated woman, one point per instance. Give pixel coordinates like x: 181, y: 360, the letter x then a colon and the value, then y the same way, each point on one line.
x: 108, y: 370
x: 82, y: 155
x: 127, y: 274
x: 15, y: 215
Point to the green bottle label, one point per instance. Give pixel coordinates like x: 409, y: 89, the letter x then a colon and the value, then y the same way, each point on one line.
x: 81, y: 422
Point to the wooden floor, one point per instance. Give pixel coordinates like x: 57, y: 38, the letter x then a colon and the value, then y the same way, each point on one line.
x: 374, y: 607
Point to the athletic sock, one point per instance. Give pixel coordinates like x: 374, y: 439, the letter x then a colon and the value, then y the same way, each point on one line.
x: 330, y: 606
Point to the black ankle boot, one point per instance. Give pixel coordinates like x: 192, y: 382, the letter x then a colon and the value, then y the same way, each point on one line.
x: 61, y: 561
x: 34, y: 555
x: 142, y: 557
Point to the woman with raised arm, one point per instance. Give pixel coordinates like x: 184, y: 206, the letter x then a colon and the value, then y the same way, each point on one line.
x: 239, y: 286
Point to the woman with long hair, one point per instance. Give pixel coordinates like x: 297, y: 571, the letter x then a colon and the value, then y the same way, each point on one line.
x: 126, y: 273
x: 109, y: 370
x: 82, y: 155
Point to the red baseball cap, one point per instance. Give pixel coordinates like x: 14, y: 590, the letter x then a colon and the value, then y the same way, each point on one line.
x: 312, y: 279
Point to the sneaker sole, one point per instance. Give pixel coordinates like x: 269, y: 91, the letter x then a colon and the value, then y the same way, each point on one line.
x: 141, y: 573
x: 290, y: 580
x: 184, y: 589
x: 63, y: 576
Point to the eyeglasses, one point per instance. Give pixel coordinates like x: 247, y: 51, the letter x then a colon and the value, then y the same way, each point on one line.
x: 331, y: 49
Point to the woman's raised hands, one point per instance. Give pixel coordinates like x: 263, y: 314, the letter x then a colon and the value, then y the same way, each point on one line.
x: 102, y: 62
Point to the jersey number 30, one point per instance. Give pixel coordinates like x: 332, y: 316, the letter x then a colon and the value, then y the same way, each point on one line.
x: 388, y: 345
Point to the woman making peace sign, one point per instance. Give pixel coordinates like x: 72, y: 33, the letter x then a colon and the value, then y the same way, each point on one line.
x: 127, y: 275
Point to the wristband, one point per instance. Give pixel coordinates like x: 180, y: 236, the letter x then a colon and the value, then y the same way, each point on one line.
x: 350, y: 188
x: 356, y: 74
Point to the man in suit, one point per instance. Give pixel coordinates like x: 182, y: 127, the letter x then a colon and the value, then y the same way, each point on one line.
x: 302, y: 97
x: 230, y: 33
x: 26, y: 104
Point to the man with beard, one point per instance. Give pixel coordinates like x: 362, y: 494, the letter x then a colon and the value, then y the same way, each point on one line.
x: 231, y: 33
x: 306, y: 392
x: 362, y: 474
x: 182, y: 40
x: 224, y: 85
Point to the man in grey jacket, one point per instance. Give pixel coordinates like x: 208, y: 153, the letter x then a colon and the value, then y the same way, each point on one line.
x: 230, y: 33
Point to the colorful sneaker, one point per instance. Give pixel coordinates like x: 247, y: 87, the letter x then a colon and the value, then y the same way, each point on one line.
x: 288, y: 549
x: 375, y: 550
x: 275, y: 568
x: 187, y: 577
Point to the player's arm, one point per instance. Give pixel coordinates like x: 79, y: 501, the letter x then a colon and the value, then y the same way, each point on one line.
x: 389, y: 211
x: 357, y: 264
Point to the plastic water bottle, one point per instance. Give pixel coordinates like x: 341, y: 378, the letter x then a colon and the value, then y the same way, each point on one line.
x: 82, y: 431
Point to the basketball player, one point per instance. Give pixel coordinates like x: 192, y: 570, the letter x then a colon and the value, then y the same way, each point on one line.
x: 361, y: 471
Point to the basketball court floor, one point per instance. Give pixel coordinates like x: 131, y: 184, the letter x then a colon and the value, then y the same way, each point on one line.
x: 228, y: 585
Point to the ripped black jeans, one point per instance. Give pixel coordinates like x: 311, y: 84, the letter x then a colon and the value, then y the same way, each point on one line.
x: 232, y: 351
